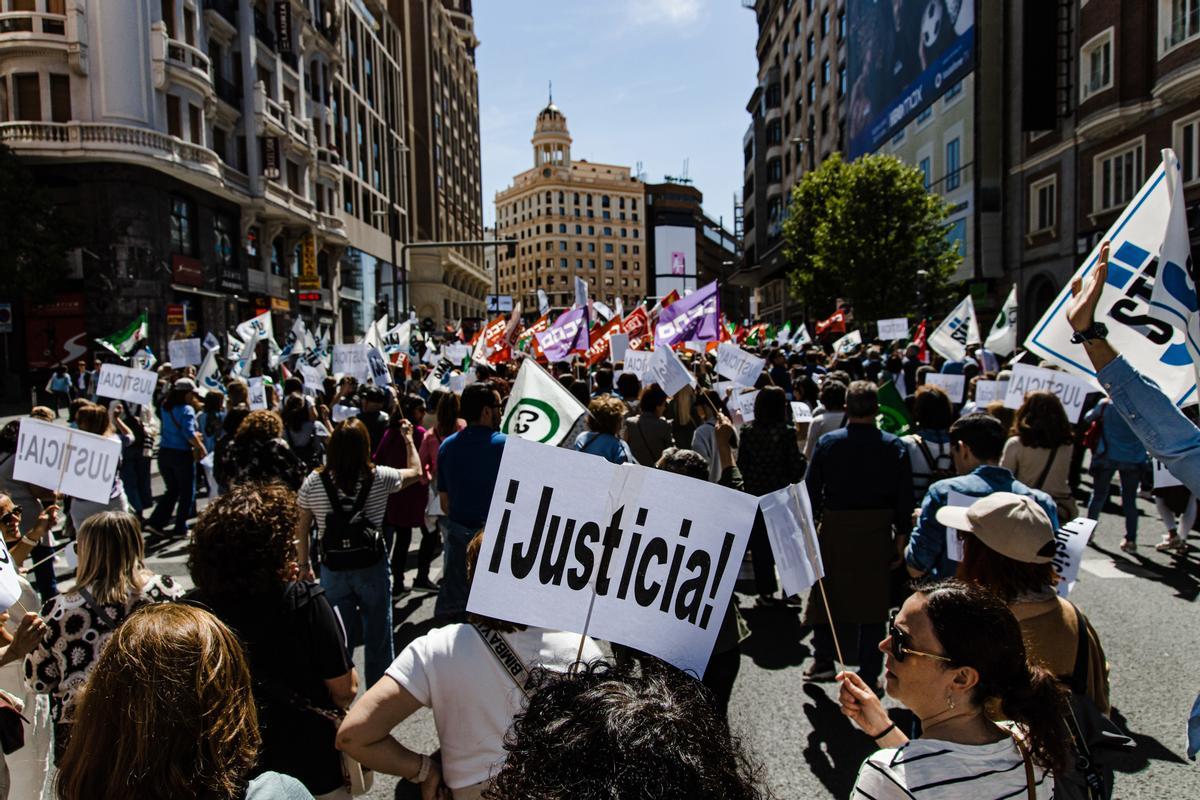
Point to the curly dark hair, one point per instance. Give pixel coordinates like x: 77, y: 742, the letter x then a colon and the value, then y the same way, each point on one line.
x: 242, y: 543
x: 606, y: 734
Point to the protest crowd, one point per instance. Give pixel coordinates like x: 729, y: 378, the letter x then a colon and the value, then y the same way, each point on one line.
x: 907, y: 498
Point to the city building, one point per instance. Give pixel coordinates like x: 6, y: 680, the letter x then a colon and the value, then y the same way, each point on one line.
x: 571, y: 218
x: 223, y: 157
x: 798, y: 112
x: 446, y: 284
x: 1126, y: 84
x: 687, y: 249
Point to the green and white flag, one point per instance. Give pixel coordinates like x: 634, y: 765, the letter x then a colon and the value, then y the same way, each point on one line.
x: 893, y: 413
x: 125, y: 341
x: 1002, y: 339
x: 539, y: 408
x: 801, y: 338
x: 784, y: 335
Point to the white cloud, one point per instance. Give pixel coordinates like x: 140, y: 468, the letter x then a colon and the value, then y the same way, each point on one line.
x: 672, y: 12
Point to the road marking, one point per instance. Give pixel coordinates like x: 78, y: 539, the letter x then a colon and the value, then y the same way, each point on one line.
x: 1103, y: 568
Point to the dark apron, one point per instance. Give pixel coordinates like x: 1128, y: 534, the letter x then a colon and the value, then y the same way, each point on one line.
x: 856, y: 548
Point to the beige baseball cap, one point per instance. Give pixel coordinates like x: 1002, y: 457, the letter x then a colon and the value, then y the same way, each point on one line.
x: 1013, y: 525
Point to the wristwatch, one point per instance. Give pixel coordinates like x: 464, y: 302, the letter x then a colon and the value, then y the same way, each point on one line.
x: 1095, y: 331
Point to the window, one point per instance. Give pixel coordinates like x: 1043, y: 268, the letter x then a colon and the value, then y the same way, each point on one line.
x: 195, y: 128
x: 826, y: 74
x: 1043, y: 204
x: 562, y: 263
x: 957, y: 235
x: 953, y: 163
x: 1095, y: 64
x: 825, y: 23
x: 812, y: 90
x: 174, y: 124
x: 925, y: 115
x: 1117, y: 176
x: 952, y: 93
x: 183, y: 218
x: 810, y: 48
x: 1187, y: 146
x: 60, y: 98
x: 841, y: 24
x: 1183, y: 21
x: 27, y: 98
x: 608, y: 264
x: 562, y: 228
x: 842, y: 81
x: 926, y: 168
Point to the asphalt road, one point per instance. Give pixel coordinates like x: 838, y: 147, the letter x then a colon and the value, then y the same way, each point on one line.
x: 1141, y: 606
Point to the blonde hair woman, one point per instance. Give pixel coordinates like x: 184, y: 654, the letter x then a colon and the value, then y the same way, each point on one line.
x: 112, y: 581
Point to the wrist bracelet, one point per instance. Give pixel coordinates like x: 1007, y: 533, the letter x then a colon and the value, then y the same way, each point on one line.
x: 423, y: 772
x: 885, y: 731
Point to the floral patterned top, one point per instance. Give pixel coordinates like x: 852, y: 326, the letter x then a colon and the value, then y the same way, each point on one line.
x: 75, y: 635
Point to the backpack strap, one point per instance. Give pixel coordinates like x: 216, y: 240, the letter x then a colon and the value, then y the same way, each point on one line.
x: 360, y: 501
x: 1079, y: 675
x: 1046, y: 471
x: 330, y: 490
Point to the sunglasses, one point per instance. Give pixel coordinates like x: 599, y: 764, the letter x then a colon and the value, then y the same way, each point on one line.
x: 10, y: 515
x: 900, y: 642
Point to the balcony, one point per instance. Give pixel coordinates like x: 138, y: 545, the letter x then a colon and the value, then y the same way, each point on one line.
x: 331, y: 224
x: 269, y: 113
x: 329, y: 163
x: 224, y: 13
x: 36, y: 33
x: 178, y: 62
x: 106, y: 142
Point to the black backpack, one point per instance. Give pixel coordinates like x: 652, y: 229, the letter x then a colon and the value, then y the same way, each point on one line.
x: 348, y: 539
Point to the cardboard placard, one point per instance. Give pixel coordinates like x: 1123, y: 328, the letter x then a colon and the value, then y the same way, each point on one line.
x: 987, y: 392
x: 892, y: 329
x: 184, y: 352
x: 953, y: 385
x: 351, y: 359
x: 258, y: 394
x: 66, y: 460
x: 1071, y: 540
x: 739, y: 366
x: 127, y: 383
x: 1072, y: 391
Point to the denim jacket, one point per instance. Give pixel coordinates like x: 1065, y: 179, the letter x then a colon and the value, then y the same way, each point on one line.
x: 926, y: 550
x: 1167, y: 433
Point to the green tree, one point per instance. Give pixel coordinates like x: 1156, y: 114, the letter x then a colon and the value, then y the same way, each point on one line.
x: 34, y: 236
x: 863, y: 230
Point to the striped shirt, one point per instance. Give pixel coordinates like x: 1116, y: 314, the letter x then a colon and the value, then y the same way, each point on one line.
x: 313, y: 498
x: 932, y: 769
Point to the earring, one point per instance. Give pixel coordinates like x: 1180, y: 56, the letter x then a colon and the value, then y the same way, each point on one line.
x: 950, y: 700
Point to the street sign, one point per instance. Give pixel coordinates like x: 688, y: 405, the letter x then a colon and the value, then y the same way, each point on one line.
x: 6, y: 318
x: 499, y: 303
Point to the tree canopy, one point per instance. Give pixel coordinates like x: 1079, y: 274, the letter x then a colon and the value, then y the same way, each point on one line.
x: 863, y: 230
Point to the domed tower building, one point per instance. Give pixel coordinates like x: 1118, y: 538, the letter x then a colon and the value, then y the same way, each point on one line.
x: 571, y: 218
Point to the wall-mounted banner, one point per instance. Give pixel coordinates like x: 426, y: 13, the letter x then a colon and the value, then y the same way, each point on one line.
x: 126, y: 383
x: 66, y: 460
x: 1070, y: 390
x: 648, y: 556
x: 892, y: 329
x: 739, y: 366
x: 184, y: 352
x: 952, y: 385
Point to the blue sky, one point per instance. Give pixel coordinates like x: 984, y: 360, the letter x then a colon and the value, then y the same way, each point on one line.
x: 655, y: 81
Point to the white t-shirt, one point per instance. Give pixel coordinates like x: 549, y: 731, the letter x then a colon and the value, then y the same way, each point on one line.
x: 453, y: 672
x: 933, y: 769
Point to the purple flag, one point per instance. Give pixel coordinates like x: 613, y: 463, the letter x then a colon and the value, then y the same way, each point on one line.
x: 695, y: 318
x: 567, y: 335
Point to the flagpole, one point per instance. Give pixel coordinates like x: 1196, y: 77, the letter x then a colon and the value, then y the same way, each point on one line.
x: 832, y: 628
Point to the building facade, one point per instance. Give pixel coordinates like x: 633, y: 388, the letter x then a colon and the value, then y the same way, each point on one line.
x: 571, y: 218
x: 204, y: 145
x: 798, y: 115
x: 1126, y: 85
x: 447, y: 284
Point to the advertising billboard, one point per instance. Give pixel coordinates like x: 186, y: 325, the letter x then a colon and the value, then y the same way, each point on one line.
x: 902, y: 55
x: 674, y: 259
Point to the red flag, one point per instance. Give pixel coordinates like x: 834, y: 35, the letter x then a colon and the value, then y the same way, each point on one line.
x: 598, y: 350
x: 636, y: 324
x: 531, y: 332
x: 919, y: 341
x: 835, y: 324
x: 670, y: 298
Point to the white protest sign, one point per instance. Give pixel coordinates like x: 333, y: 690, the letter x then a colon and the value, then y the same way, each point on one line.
x: 457, y: 353
x: 618, y: 345
x: 126, y: 383
x: 1163, y: 477
x: 314, y: 377
x: 258, y: 395
x: 66, y: 460
x: 739, y: 366
x: 723, y: 388
x: 793, y: 536
x: 893, y: 329
x: 10, y: 586
x: 954, y: 547
x: 184, y: 352
x: 648, y: 556
x: 1070, y: 541
x: 377, y: 367
x: 744, y: 403
x: 668, y: 371
x: 801, y: 412
x: 351, y: 359
x: 638, y: 362
x: 952, y: 385
x: 989, y: 392
x: 342, y: 413
x: 1072, y: 391
x: 458, y: 382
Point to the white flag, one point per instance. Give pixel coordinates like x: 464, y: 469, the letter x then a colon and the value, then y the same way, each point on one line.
x: 208, y: 378
x: 581, y: 292
x: 398, y: 339
x: 233, y: 347
x: 539, y: 408
x: 1002, y: 339
x: 256, y: 328
x: 603, y: 310
x: 211, y: 342
x: 1175, y: 289
x: 957, y: 331
x: 543, y: 302
x: 10, y: 585
x: 801, y: 338
x: 846, y: 344
x: 374, y: 336
x: 619, y: 308
x: 1143, y: 333
x: 793, y: 537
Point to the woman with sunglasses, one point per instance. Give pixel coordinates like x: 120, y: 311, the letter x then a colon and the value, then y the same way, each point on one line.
x: 954, y: 657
